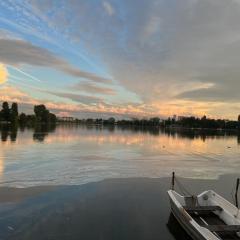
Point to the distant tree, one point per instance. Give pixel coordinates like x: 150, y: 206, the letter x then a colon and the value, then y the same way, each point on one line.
x: 22, y: 118
x: 31, y: 120
x: 99, y: 121
x: 90, y: 121
x: 168, y: 122
x: 43, y: 115
x: 52, y: 118
x: 5, y: 112
x: 40, y: 111
x: 154, y: 121
x: 14, y: 113
x: 14, y: 108
x: 111, y: 120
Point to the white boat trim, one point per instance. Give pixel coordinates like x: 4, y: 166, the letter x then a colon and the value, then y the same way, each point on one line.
x: 227, y: 212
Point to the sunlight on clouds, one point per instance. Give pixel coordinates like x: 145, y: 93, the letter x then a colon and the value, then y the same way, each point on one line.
x: 108, y: 8
x: 162, y: 57
x: 3, y: 74
x: 155, y: 108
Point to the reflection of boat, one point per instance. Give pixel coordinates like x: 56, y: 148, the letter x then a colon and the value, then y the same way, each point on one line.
x: 206, y: 216
x: 176, y: 230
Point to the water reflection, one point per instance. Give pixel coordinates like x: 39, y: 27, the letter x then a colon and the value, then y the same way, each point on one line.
x: 1, y: 163
x: 9, y: 131
x: 41, y: 131
x: 75, y: 154
x: 176, y: 230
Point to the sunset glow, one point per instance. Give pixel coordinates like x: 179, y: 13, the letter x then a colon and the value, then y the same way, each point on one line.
x: 3, y: 74
x: 120, y: 58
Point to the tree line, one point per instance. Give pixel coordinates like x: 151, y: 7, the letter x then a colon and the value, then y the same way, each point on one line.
x: 10, y: 114
x: 204, y: 122
x: 186, y: 122
x: 43, y: 115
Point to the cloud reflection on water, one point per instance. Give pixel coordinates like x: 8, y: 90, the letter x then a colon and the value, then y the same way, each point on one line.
x: 76, y: 155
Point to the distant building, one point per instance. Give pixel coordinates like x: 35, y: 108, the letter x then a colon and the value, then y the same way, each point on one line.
x: 66, y: 119
x: 181, y: 118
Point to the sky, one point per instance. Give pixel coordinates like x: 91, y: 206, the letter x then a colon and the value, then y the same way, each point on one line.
x: 122, y: 58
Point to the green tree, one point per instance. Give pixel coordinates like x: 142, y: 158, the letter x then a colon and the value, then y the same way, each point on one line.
x: 43, y: 115
x: 14, y: 113
x: 111, y: 120
x: 154, y: 121
x: 5, y: 111
x: 23, y: 118
x: 52, y: 118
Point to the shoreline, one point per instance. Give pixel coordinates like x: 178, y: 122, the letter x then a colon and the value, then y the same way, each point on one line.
x: 14, y: 194
x: 8, y: 124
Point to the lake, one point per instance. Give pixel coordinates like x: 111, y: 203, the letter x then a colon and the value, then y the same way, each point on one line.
x: 72, y: 155
x: 91, y: 182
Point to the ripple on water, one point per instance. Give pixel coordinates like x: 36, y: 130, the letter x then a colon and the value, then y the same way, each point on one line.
x: 76, y: 155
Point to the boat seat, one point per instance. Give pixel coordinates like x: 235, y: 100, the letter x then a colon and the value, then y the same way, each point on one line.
x: 202, y: 209
x: 191, y: 201
x: 223, y: 228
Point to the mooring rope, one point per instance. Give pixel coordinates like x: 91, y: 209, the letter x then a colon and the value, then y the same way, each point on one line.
x: 183, y: 189
x: 180, y: 186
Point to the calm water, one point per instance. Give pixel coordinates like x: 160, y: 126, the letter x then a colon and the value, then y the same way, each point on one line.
x: 116, y: 209
x: 130, y: 204
x: 72, y: 155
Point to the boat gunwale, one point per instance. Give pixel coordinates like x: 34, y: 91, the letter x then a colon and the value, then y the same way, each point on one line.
x: 193, y: 225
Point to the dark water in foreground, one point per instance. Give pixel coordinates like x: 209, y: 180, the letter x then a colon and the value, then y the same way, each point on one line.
x: 113, y: 209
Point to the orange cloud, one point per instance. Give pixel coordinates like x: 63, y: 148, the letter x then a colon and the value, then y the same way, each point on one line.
x: 150, y: 109
x: 64, y: 114
x: 3, y: 74
x: 14, y: 94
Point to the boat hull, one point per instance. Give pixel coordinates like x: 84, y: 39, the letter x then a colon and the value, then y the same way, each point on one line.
x: 206, y: 216
x: 184, y: 221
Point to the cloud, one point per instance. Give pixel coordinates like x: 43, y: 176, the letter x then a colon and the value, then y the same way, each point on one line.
x: 64, y: 114
x: 86, y: 106
x: 3, y: 74
x: 43, y: 5
x: 5, y: 34
x: 161, y: 49
x: 97, y: 108
x: 26, y: 102
x: 16, y: 52
x: 182, y: 52
x: 108, y: 8
x: 93, y: 88
x: 77, y: 97
x: 213, y: 94
x: 14, y: 94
